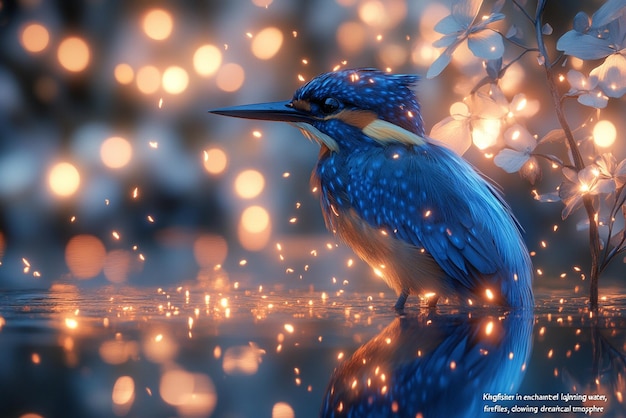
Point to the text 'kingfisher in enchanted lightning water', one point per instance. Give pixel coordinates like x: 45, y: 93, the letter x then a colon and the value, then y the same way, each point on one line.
x: 421, y: 216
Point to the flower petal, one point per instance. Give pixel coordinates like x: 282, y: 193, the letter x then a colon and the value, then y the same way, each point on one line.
x: 465, y: 11
x: 446, y: 40
x: 610, y: 10
x: 440, y: 63
x: 510, y: 160
x: 453, y: 133
x: 448, y: 25
x: 595, y: 99
x: 518, y: 138
x: 486, y: 44
x: 611, y: 75
x: 584, y: 46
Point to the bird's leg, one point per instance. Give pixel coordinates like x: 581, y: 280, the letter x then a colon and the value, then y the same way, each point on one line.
x: 399, y: 306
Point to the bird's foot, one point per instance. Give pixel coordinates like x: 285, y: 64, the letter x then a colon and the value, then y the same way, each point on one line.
x: 399, y: 306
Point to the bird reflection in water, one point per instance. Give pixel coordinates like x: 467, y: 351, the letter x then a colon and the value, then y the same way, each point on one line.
x: 429, y: 365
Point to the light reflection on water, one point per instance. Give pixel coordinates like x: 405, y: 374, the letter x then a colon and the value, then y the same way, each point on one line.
x: 191, y: 352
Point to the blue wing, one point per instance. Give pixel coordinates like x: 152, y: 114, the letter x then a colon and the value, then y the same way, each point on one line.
x: 431, y: 198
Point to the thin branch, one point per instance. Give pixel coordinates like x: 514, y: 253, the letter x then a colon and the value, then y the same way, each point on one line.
x: 487, y: 79
x: 519, y: 6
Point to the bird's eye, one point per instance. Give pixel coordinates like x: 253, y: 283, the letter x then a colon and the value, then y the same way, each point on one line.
x: 330, y: 105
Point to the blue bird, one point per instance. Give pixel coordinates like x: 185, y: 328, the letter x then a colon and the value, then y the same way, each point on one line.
x: 421, y: 216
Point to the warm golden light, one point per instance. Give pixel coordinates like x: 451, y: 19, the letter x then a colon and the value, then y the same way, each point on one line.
x: 118, y: 351
x: 148, y: 79
x: 267, y: 43
x: 123, y: 73
x: 241, y: 360
x: 117, y: 266
x: 116, y: 152
x: 604, y: 133
x: 160, y: 348
x: 210, y: 250
x: 64, y: 179
x: 193, y: 394
x: 230, y: 77
x: 123, y: 391
x: 206, y: 60
x: 254, y: 228
x: 459, y: 111
x: 282, y: 410
x: 35, y: 37
x: 249, y: 184
x: 158, y: 24
x: 262, y: 3
x: 351, y: 37
x: 485, y: 132
x: 71, y: 323
x: 84, y: 256
x: 215, y: 161
x: 255, y: 219
x: 175, y: 80
x: 73, y: 54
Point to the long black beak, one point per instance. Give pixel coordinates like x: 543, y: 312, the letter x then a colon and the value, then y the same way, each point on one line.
x: 276, y: 111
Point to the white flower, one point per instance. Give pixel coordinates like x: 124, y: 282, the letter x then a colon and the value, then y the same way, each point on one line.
x: 586, y: 89
x: 522, y: 145
x: 463, y: 25
x: 601, y: 36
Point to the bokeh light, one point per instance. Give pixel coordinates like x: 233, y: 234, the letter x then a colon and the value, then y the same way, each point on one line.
x: 148, y: 79
x: 158, y: 24
x: 249, y: 184
x: 267, y: 43
x: 241, y: 360
x: 124, y: 73
x: 485, y: 132
x: 206, y: 60
x: 215, y: 161
x: 255, y: 219
x: 34, y: 37
x: 160, y: 348
x: 73, y: 54
x: 604, y: 133
x: 192, y: 393
x: 282, y: 410
x: 210, y: 250
x: 64, y: 179
x: 262, y: 3
x: 230, y: 77
x: 175, y: 80
x: 84, y: 256
x: 117, y: 266
x: 351, y: 37
x: 123, y: 393
x: 382, y: 15
x: 116, y: 152
x: 254, y: 228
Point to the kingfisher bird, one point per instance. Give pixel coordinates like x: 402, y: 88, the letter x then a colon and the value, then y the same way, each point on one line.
x: 419, y: 214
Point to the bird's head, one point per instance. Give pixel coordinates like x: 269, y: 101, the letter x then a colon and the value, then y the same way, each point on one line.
x: 348, y: 109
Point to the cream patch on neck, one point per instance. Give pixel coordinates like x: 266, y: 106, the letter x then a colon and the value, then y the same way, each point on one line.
x: 385, y: 133
x: 316, y: 135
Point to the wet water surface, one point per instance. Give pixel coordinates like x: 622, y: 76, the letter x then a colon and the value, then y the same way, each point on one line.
x: 191, y: 352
